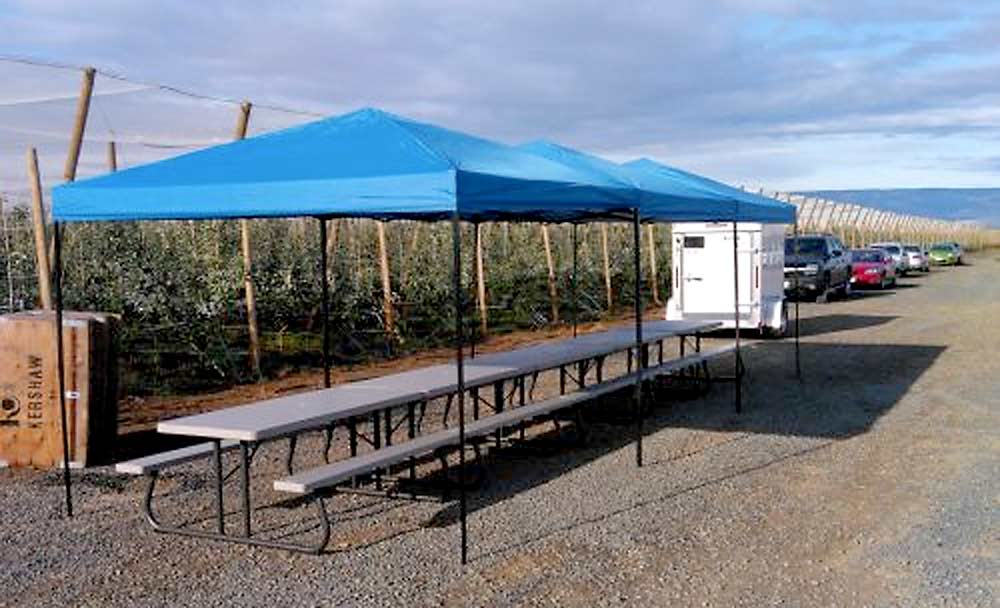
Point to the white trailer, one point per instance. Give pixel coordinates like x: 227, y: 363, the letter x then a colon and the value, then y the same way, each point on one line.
x: 703, y: 285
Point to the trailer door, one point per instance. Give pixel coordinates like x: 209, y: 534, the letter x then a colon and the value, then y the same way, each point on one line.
x: 707, y: 272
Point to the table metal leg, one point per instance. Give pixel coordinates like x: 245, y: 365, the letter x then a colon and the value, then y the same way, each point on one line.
x: 411, y: 432
x: 498, y: 398
x: 521, y: 401
x: 245, y: 486
x: 290, y: 460
x: 388, y: 426
x: 377, y: 444
x: 219, y: 507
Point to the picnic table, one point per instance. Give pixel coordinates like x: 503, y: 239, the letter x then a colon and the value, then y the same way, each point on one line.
x: 245, y: 427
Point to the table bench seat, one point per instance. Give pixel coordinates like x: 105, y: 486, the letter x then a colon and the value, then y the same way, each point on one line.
x: 155, y: 462
x: 326, y: 476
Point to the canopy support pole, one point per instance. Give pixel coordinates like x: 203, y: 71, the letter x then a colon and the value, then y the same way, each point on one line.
x: 639, y: 358
x: 798, y: 363
x: 574, y: 284
x: 325, y: 305
x: 456, y: 235
x: 473, y: 332
x: 61, y: 361
x: 738, y: 372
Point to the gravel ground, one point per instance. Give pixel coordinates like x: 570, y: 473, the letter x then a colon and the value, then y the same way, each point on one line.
x: 872, y: 483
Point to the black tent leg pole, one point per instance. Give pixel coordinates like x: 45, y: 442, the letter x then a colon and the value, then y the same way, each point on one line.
x: 640, y: 360
x: 456, y: 232
x: 474, y: 331
x: 325, y: 306
x: 61, y: 361
x: 576, y: 297
x: 798, y: 363
x: 738, y: 375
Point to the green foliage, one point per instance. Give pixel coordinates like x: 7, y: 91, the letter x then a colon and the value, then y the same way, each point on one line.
x: 179, y: 289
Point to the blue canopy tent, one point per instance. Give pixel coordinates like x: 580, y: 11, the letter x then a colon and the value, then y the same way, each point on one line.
x: 364, y: 164
x: 372, y: 164
x: 750, y: 207
x: 669, y: 194
x: 744, y: 206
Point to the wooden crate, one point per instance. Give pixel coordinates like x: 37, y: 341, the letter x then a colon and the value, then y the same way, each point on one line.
x: 30, y: 429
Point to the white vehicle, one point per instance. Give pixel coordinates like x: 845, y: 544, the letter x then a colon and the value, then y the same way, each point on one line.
x: 917, y: 258
x: 703, y: 281
x: 895, y: 251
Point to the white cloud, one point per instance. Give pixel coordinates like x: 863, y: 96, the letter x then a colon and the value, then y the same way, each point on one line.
x: 776, y: 92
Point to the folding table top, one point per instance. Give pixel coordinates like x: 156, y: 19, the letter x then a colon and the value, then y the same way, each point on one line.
x: 311, y: 410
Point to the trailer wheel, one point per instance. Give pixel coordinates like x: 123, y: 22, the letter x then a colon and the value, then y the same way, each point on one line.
x: 773, y: 333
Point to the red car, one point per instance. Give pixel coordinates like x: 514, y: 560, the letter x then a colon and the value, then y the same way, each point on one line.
x: 872, y: 268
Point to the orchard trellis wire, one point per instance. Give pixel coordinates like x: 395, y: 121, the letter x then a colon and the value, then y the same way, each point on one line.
x: 190, y: 305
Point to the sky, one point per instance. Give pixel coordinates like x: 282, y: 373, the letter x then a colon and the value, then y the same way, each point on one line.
x: 789, y: 95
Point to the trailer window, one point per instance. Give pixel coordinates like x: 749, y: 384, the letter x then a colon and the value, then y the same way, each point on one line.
x: 694, y: 242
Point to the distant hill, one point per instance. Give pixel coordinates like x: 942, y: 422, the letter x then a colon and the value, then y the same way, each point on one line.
x: 972, y: 204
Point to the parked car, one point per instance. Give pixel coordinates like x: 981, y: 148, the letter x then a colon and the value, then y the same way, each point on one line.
x: 946, y: 254
x: 820, y: 264
x: 917, y: 258
x: 895, y: 251
x: 872, y: 268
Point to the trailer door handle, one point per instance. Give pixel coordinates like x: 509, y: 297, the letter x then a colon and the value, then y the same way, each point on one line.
x: 692, y: 278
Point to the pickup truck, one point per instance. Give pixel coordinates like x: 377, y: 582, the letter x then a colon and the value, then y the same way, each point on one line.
x: 820, y: 264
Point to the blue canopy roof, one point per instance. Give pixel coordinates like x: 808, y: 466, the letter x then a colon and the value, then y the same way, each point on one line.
x: 661, y: 199
x: 746, y: 206
x: 364, y: 164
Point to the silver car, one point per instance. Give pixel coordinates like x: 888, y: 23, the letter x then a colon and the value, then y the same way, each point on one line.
x: 895, y: 251
x: 916, y: 258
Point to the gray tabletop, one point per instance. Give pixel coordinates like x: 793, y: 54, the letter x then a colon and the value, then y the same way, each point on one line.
x: 302, y: 411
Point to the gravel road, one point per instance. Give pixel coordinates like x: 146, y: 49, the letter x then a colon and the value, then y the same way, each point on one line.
x: 874, y: 482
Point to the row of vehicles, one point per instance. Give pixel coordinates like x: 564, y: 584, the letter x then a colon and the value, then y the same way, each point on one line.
x: 707, y: 255
x: 817, y: 265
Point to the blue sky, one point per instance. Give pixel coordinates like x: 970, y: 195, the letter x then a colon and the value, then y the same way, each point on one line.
x: 789, y: 95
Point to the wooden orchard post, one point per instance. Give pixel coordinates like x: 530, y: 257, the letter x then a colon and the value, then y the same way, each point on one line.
x: 553, y: 291
x: 809, y: 223
x: 383, y: 261
x: 856, y: 226
x: 7, y: 258
x: 38, y: 220
x: 242, y: 119
x: 80, y: 124
x: 112, y: 157
x: 607, y: 267
x: 653, y: 278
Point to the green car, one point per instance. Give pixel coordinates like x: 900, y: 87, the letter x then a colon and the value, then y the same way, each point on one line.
x: 945, y: 254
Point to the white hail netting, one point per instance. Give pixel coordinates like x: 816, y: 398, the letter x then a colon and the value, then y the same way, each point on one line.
x: 147, y: 123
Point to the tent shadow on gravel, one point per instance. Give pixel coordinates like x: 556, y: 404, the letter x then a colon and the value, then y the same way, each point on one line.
x: 846, y: 388
x: 828, y: 324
